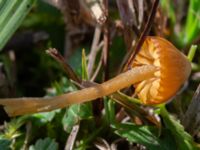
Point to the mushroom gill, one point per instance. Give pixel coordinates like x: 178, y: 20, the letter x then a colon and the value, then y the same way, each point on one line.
x: 173, y: 70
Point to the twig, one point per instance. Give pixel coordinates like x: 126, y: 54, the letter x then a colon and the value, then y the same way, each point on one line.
x: 144, y: 33
x: 141, y: 12
x: 102, y: 144
x: 59, y: 58
x: 72, y: 137
x: 100, y: 45
x: 128, y: 16
x: 94, y: 49
x: 127, y: 12
x: 67, y: 45
x: 28, y: 135
x: 106, y: 43
x: 97, y: 70
x: 191, y: 119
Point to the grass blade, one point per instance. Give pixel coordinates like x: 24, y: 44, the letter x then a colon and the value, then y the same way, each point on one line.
x: 13, y: 22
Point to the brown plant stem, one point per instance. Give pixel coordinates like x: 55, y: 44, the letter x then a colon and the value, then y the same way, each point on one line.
x: 106, y: 53
x: 97, y: 69
x: 59, y: 58
x: 106, y: 39
x: 94, y: 49
x: 20, y: 106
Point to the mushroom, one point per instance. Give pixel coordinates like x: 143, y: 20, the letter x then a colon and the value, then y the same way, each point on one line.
x: 174, y: 69
x: 157, y: 73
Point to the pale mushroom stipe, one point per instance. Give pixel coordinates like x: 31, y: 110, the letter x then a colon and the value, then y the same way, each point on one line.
x: 158, y: 72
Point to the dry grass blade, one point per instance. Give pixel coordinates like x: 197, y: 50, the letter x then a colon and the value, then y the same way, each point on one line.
x: 94, y: 49
x: 102, y: 144
x: 106, y: 39
x: 59, y: 58
x: 191, y: 119
x: 129, y: 20
x: 127, y: 12
x: 72, y: 137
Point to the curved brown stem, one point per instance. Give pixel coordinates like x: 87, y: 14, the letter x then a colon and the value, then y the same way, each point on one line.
x: 20, y: 106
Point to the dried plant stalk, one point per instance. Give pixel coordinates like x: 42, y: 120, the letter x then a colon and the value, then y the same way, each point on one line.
x: 191, y: 119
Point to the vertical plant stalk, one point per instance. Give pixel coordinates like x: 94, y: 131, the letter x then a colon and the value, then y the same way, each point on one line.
x: 128, y: 14
x: 28, y: 135
x: 106, y: 53
x: 94, y: 49
x: 97, y: 69
x: 192, y: 26
x: 192, y: 52
x: 140, y: 12
x: 106, y: 38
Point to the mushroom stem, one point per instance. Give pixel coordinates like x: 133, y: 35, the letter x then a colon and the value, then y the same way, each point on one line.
x: 21, y: 106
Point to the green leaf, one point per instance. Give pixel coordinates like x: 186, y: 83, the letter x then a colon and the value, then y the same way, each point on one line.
x: 11, y: 16
x: 5, y: 11
x: 184, y: 141
x: 63, y: 86
x: 168, y: 7
x: 45, y: 117
x: 84, y: 66
x: 192, y: 52
x: 129, y: 98
x: 11, y: 128
x: 75, y: 114
x: 145, y: 135
x: 192, y: 26
x: 5, y: 144
x: 44, y: 144
x: 110, y: 110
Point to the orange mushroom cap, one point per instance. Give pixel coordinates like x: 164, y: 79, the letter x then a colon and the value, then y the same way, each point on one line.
x: 173, y: 70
